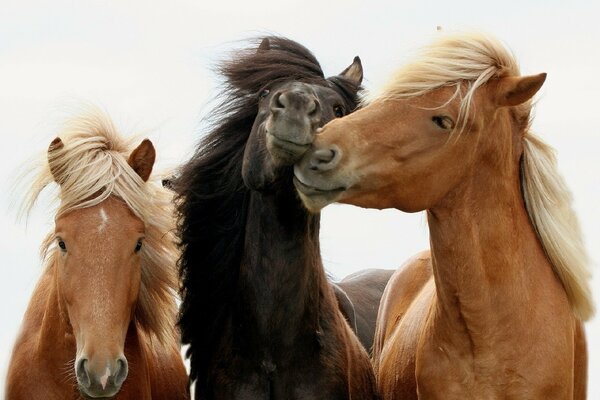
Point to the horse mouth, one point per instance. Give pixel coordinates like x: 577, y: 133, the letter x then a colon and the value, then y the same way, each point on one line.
x: 287, y: 148
x: 308, y: 190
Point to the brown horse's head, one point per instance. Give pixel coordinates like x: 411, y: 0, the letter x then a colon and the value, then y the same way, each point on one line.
x: 412, y: 146
x: 98, y: 274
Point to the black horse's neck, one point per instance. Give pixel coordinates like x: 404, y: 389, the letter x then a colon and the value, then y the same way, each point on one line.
x: 281, y: 274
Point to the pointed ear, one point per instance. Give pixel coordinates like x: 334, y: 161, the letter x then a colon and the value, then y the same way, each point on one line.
x: 515, y: 90
x: 142, y: 159
x: 55, y: 145
x: 265, y: 45
x: 354, y: 72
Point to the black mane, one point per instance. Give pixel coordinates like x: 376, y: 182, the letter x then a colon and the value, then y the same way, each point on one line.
x: 212, y: 201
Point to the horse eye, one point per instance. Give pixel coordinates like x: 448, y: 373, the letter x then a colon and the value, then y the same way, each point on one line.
x: 443, y: 122
x: 138, y: 246
x: 62, y: 245
x: 264, y: 93
x: 338, y: 111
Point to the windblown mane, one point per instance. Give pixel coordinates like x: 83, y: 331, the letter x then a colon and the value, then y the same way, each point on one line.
x: 466, y: 62
x: 93, y: 166
x: 212, y: 200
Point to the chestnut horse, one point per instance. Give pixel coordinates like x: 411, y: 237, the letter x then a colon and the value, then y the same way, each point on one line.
x: 495, y: 310
x: 258, y: 312
x: 101, y: 322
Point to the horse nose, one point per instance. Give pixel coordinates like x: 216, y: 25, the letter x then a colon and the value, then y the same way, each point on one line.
x: 324, y: 159
x: 295, y: 101
x: 82, y: 373
x: 105, y: 379
x: 121, y: 371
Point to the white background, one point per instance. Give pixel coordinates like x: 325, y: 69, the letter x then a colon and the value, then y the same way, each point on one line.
x: 150, y: 67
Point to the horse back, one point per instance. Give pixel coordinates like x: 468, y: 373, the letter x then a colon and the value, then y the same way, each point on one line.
x: 364, y: 290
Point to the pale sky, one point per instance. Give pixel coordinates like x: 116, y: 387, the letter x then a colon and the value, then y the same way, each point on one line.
x: 150, y: 68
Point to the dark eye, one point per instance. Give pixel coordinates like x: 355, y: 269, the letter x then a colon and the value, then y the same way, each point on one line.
x: 443, y: 122
x: 62, y: 245
x: 138, y: 246
x: 338, y: 111
x: 264, y: 93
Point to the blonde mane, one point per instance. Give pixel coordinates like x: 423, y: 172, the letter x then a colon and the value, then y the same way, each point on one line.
x: 92, y: 165
x: 466, y: 61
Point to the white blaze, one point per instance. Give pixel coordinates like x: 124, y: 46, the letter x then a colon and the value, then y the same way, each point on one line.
x: 104, y: 378
x: 104, y: 220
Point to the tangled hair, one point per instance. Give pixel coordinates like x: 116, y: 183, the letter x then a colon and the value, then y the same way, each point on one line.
x: 467, y: 61
x: 92, y: 166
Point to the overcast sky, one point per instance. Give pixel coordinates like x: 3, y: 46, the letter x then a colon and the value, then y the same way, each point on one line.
x: 150, y: 68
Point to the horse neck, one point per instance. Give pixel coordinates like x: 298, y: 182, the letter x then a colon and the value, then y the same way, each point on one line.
x: 281, y: 276
x: 486, y: 256
x: 56, y: 344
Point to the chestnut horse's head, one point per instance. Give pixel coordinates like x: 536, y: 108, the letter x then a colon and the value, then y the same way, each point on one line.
x: 113, y: 264
x: 434, y: 123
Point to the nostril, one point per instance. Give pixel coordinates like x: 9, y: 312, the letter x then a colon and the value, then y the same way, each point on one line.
x: 324, y: 159
x: 121, y: 371
x: 81, y: 371
x: 323, y: 156
x: 279, y: 101
x: 312, y: 107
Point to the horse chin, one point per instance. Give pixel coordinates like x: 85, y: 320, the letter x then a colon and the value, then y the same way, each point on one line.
x: 287, y: 140
x: 89, y: 395
x: 285, y: 152
x: 315, y: 198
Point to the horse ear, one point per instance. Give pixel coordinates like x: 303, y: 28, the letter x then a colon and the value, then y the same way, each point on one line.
x: 515, y: 90
x: 142, y: 159
x: 265, y: 45
x: 354, y: 72
x: 55, y: 145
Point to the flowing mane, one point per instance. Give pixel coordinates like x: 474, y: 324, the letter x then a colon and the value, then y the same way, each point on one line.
x: 93, y: 166
x: 467, y: 61
x: 212, y: 199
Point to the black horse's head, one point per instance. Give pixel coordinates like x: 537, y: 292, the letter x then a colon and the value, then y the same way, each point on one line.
x: 291, y: 106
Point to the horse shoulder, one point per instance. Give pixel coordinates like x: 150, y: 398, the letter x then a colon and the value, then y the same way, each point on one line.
x: 401, y: 321
x: 400, y: 292
x: 361, y: 377
x: 21, y: 370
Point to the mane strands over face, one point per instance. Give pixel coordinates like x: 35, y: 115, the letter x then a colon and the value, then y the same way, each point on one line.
x: 467, y: 61
x: 90, y: 167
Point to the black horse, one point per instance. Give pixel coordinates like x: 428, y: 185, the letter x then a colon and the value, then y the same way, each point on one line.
x: 258, y: 313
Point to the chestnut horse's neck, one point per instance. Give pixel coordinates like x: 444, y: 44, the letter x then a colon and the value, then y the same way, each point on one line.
x: 489, y: 266
x: 56, y: 344
x: 281, y: 277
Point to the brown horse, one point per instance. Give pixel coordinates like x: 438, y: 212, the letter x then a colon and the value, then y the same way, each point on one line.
x: 496, y: 309
x: 101, y: 320
x: 358, y: 296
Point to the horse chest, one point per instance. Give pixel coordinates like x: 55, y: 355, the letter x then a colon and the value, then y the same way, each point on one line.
x: 445, y: 373
x: 301, y: 378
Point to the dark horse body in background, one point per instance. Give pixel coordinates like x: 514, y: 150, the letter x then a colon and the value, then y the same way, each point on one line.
x: 258, y: 313
x: 359, y: 295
